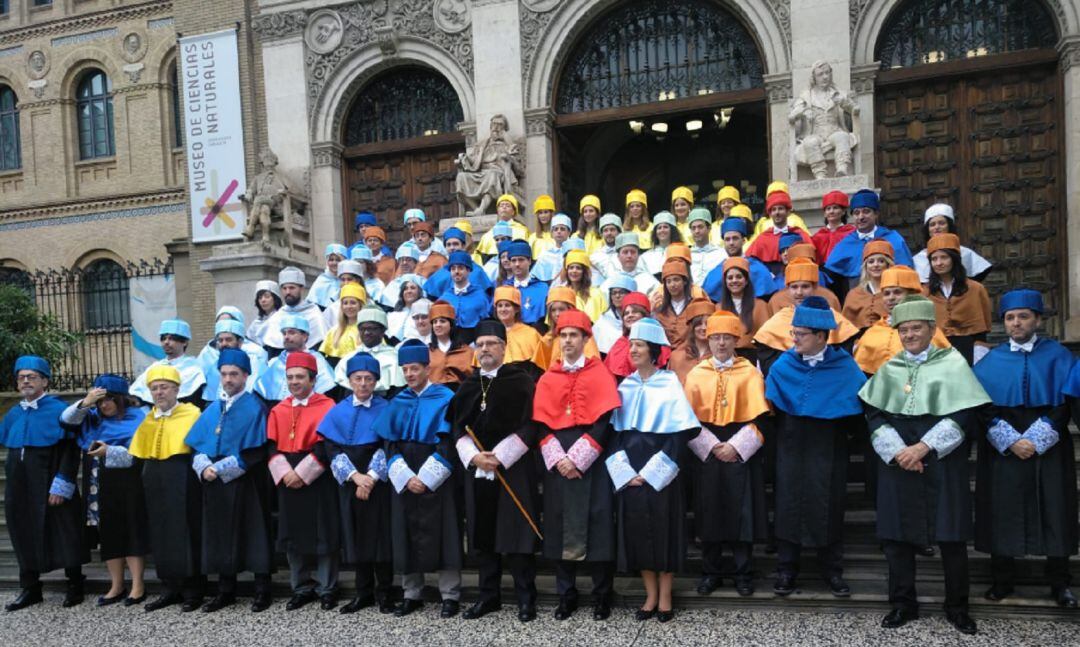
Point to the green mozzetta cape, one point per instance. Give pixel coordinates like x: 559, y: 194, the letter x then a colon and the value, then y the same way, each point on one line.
x: 941, y: 385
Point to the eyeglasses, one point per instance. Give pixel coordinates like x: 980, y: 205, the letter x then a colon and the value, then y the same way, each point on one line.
x: 28, y: 377
x: 797, y: 335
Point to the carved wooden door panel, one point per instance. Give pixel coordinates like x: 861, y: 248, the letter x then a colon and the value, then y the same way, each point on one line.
x: 988, y: 145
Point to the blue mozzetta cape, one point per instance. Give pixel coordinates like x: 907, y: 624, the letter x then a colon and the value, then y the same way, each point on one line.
x: 440, y: 281
x: 33, y: 427
x: 1072, y: 385
x: 657, y: 405
x: 347, y: 424
x: 324, y: 289
x: 242, y: 427
x: 416, y: 418
x: 760, y: 277
x: 846, y: 257
x: 1019, y: 379
x: 111, y: 431
x: 470, y: 307
x: 828, y: 391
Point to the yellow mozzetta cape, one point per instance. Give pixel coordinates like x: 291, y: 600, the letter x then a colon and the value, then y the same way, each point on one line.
x: 741, y: 386
x: 881, y: 342
x: 159, y: 439
x: 776, y: 333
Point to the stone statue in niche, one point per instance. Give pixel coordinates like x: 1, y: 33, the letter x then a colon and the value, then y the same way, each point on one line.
x: 491, y: 168
x: 824, y: 123
x: 266, y: 199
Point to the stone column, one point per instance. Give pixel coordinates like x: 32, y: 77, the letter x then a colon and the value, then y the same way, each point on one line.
x: 778, y: 96
x: 862, y: 84
x: 327, y: 222
x: 540, y: 162
x: 497, y: 77
x: 286, y: 105
x: 1070, y: 69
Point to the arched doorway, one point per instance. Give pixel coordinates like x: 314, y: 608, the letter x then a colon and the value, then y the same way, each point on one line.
x: 657, y: 94
x: 968, y: 112
x: 401, y: 138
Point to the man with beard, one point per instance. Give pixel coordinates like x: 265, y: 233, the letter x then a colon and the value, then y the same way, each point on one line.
x: 292, y: 281
x: 174, y: 335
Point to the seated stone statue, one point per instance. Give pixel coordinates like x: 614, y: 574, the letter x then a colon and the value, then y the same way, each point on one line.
x: 491, y: 168
x: 821, y: 118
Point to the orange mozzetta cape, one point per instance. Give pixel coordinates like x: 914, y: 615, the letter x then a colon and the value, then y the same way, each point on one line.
x: 565, y: 400
x: 776, y: 333
x: 863, y: 309
x: 452, y: 367
x: 741, y: 386
x: 965, y: 314
x: 881, y: 342
x: 782, y: 299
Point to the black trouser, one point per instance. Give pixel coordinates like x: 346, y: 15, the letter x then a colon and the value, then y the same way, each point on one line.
x: 374, y: 579
x: 227, y: 584
x: 712, y: 552
x: 830, y: 558
x: 190, y: 588
x: 31, y: 580
x: 1004, y: 571
x: 522, y: 567
x: 954, y: 560
x: 603, y: 577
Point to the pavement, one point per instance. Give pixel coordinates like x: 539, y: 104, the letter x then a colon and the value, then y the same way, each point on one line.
x: 49, y: 624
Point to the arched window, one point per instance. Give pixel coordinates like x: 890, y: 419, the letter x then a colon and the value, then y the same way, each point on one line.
x: 105, y: 296
x: 10, y: 155
x: 95, y: 114
x: 403, y: 103
x: 934, y: 31
x: 177, y: 115
x: 657, y: 50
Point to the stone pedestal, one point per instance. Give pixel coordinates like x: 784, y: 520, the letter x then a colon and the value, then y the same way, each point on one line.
x: 480, y: 224
x: 236, y: 267
x: 806, y: 195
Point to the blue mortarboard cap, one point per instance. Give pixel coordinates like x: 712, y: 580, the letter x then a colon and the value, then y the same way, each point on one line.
x: 337, y: 248
x: 363, y: 362
x: 1021, y: 298
x: 413, y: 351
x: 177, y: 327
x: 454, y: 233
x: 620, y: 281
x: 865, y: 198
x: 112, y: 383
x: 814, y: 313
x: 518, y: 248
x: 234, y: 357
x: 295, y: 321
x: 33, y: 363
x: 650, y: 330
x: 364, y: 219
x: 460, y: 258
x: 789, y: 239
x: 229, y: 326
x: 733, y: 223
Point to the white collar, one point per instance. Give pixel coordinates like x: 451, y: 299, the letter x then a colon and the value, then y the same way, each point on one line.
x: 707, y: 247
x: 491, y: 375
x: 445, y: 346
x: 461, y: 290
x: 521, y: 284
x: 918, y: 359
x: 357, y: 402
x: 780, y: 230
x: 727, y: 363
x: 868, y: 236
x: 576, y: 365
x: 946, y: 289
x: 678, y: 306
x: 31, y: 404
x: 1027, y: 346
x: 228, y: 400
x: 302, y: 403
x: 164, y: 414
x: 813, y: 360
x: 421, y: 391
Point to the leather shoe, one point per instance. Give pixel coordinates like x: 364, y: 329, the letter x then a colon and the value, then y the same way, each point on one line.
x: 527, y: 612
x: 665, y: 616
x: 298, y: 600
x: 449, y: 609
x: 130, y: 601
x: 838, y: 587
x: 220, y: 601
x: 784, y: 585
x: 601, y: 611
x: 744, y: 586
x: 998, y: 592
x: 406, y: 607
x: 74, y: 595
x: 566, y: 608
x: 926, y: 551
x: 162, y: 601
x: 964, y: 623
x: 190, y: 605
x: 481, y: 609
x: 386, y: 605
x: 641, y: 615
x: 707, y: 584
x: 26, y: 598
x: 103, y: 601
x: 328, y: 601
x: 1064, y: 597
x: 357, y: 604
x: 898, y: 618
x: 261, y: 602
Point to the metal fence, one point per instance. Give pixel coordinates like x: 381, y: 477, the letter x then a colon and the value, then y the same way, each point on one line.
x: 95, y: 302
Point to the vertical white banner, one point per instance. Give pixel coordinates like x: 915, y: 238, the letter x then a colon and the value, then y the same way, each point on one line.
x: 213, y: 134
x: 153, y: 300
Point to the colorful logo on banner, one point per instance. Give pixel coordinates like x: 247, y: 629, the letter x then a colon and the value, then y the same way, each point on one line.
x: 218, y: 206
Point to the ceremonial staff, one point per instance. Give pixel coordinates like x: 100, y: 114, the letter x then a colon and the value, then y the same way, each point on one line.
x: 506, y: 486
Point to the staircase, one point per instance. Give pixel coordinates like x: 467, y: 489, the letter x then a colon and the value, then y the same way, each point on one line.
x: 865, y: 570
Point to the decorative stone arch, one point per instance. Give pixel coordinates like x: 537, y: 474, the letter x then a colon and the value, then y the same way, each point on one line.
x: 98, y: 251
x: 332, y: 105
x: 76, y: 63
x: 574, y: 18
x: 159, y: 57
x: 875, y: 14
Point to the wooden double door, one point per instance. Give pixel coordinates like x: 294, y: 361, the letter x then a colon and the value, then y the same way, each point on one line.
x: 989, y: 143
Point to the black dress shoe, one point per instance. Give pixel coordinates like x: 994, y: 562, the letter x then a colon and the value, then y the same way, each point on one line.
x: 641, y: 615
x: 838, y: 587
x: 191, y: 605
x: 74, y: 596
x: 898, y: 618
x: 1064, y: 597
x: 566, y: 608
x: 707, y: 584
x: 298, y: 600
x: 220, y: 601
x: 665, y: 616
x: 357, y: 604
x: 449, y: 609
x: 386, y: 605
x: 744, y: 586
x: 261, y: 602
x: 964, y: 623
x: 406, y: 607
x: 926, y: 551
x: 784, y: 585
x: 162, y: 601
x: 601, y: 611
x: 328, y: 601
x: 130, y: 601
x: 103, y: 601
x: 998, y: 592
x: 481, y: 609
x: 527, y: 612
x: 26, y: 598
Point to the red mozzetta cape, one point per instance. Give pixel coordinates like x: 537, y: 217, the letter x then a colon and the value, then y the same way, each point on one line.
x: 766, y: 247
x: 564, y: 399
x: 294, y: 428
x: 618, y: 357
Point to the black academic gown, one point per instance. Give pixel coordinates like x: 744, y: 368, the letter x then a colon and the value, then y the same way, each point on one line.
x: 493, y: 522
x: 365, y: 525
x: 308, y: 518
x: 122, y: 521
x: 174, y: 512
x: 236, y: 528
x: 44, y: 537
x: 729, y: 498
x: 811, y: 478
x: 1026, y: 507
x: 426, y: 528
x: 652, y: 525
x: 931, y: 507
x: 579, y: 514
